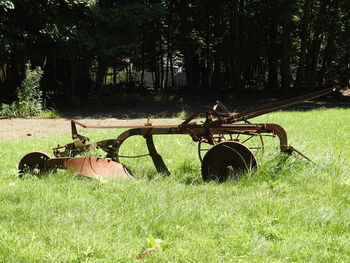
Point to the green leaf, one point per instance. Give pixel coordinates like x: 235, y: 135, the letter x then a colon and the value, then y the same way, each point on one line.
x: 7, y: 4
x: 152, y: 242
x: 163, y: 245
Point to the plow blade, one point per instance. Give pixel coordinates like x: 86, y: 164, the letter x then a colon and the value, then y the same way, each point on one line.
x: 97, y: 168
x: 92, y: 167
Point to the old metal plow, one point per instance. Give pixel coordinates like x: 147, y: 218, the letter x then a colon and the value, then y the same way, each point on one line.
x: 221, y: 130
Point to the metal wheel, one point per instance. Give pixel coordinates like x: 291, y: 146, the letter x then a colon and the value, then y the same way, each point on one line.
x: 227, y: 158
x: 34, y: 162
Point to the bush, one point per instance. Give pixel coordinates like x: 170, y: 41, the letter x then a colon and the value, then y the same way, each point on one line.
x: 30, y: 102
x: 8, y: 110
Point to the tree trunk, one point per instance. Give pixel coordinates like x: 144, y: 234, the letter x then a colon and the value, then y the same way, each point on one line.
x: 166, y: 72
x: 347, y: 54
x: 161, y: 64
x: 142, y: 77
x: 54, y: 71
x: 156, y: 75
x: 315, y: 46
x: 303, y: 45
x: 347, y: 70
x: 273, y: 46
x: 286, y: 43
x: 236, y: 46
x: 101, y: 71
x: 72, y: 98
x: 114, y: 75
x: 186, y: 43
x: 326, y: 57
x: 2, y: 73
x: 217, y: 51
x: 171, y: 42
x: 172, y: 74
x: 131, y: 79
x: 207, y: 63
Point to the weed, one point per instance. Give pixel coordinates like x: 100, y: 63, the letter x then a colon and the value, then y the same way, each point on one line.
x: 153, y: 245
x: 30, y: 101
x: 50, y: 114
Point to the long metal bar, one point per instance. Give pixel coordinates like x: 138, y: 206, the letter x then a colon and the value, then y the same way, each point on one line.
x: 118, y: 126
x: 277, y: 106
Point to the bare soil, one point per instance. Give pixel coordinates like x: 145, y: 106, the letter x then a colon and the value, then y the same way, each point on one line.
x: 12, y: 129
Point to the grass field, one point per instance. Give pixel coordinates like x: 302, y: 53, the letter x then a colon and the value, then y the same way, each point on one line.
x: 288, y: 211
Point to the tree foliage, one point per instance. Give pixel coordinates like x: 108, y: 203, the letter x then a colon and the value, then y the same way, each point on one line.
x: 230, y: 45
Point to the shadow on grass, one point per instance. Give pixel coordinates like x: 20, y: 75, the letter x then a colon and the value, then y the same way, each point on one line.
x: 135, y: 105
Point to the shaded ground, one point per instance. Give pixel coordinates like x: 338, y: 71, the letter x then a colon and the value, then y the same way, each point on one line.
x: 159, y: 113
x: 171, y: 109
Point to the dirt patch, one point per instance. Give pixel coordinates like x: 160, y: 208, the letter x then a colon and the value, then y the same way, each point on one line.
x: 12, y: 129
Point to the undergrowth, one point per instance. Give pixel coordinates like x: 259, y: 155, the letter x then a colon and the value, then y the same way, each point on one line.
x: 30, y: 101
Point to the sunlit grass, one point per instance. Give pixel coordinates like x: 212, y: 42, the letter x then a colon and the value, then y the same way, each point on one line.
x: 50, y: 114
x: 288, y: 211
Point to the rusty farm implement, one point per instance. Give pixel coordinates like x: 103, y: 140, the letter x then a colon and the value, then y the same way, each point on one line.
x: 221, y: 129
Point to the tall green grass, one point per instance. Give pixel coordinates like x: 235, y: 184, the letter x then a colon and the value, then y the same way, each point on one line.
x: 288, y: 211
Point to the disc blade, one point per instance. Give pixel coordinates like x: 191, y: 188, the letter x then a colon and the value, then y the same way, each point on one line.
x: 227, y: 158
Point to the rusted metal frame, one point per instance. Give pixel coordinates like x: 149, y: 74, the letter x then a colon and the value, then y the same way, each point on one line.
x: 251, y: 136
x: 156, y: 157
x: 204, y: 109
x: 112, y: 147
x: 280, y: 132
x: 199, y: 150
x: 275, y: 129
x: 75, y: 134
x: 230, y: 132
x: 300, y: 153
x: 57, y: 163
x: 71, y: 149
x: 262, y: 142
x: 147, y: 133
x: 221, y: 106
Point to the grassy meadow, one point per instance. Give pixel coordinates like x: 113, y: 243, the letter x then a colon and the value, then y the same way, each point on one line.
x: 288, y: 211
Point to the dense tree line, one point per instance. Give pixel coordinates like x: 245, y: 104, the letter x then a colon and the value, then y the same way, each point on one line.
x: 226, y: 45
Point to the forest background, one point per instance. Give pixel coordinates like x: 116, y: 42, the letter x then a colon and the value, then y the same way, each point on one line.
x: 90, y: 48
